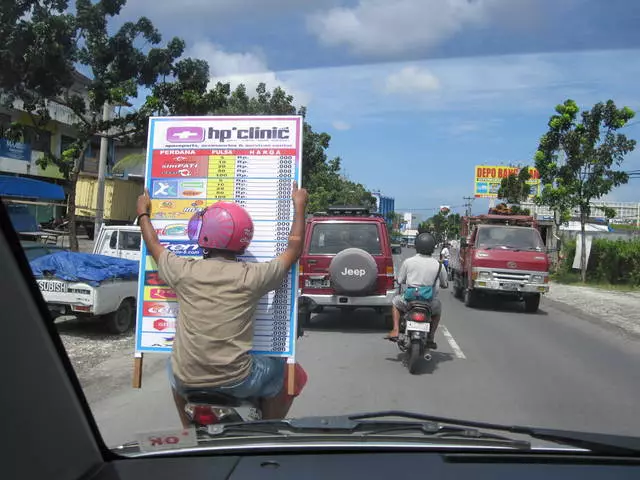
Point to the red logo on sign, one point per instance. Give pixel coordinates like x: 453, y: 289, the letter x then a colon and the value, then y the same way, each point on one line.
x: 179, y: 165
x: 160, y: 324
x: 153, y: 278
x: 162, y: 293
x: 159, y: 309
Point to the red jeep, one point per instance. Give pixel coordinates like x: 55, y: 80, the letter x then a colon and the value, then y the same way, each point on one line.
x: 347, y: 263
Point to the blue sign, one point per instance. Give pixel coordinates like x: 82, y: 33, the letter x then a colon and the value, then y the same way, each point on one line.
x: 15, y: 150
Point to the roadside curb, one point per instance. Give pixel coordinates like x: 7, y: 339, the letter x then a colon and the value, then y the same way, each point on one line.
x: 600, y: 321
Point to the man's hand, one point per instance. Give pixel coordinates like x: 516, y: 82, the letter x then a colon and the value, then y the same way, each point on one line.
x: 144, y: 203
x: 300, y: 198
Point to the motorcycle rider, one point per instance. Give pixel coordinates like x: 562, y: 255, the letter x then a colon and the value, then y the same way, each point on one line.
x: 419, y: 271
x: 217, y: 298
x: 445, y: 255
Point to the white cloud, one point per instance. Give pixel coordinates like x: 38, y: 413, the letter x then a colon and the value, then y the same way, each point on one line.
x: 382, y: 28
x: 411, y: 79
x: 249, y: 68
x: 472, y: 88
x: 340, y: 125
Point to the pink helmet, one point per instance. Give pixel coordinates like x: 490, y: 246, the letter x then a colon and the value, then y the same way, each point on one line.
x: 222, y: 226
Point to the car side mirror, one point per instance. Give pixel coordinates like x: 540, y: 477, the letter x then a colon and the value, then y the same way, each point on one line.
x: 396, y: 250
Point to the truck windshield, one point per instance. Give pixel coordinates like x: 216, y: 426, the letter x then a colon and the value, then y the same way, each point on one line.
x: 521, y: 238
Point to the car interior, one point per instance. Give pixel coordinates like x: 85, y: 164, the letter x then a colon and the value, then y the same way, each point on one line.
x: 50, y: 432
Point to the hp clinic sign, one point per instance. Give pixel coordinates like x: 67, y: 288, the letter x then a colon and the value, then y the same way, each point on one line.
x: 445, y: 210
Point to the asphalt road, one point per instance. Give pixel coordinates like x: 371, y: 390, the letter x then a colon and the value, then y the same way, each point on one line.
x: 497, y: 364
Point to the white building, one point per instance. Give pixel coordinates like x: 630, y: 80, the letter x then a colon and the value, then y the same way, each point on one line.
x: 407, y: 221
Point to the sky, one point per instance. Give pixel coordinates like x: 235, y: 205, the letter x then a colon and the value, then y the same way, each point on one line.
x: 415, y: 93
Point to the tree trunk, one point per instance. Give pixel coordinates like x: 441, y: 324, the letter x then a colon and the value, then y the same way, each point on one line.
x: 71, y: 209
x: 583, y: 251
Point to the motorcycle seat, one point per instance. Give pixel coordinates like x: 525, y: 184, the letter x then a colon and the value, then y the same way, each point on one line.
x: 217, y: 398
x: 420, y: 304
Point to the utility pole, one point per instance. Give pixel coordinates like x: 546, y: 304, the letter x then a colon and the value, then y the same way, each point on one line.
x: 102, y: 166
x: 467, y: 205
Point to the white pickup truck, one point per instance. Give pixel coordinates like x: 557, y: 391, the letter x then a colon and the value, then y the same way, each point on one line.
x: 113, y: 300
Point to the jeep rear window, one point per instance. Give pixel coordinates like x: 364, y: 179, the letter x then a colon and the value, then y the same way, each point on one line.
x: 331, y: 238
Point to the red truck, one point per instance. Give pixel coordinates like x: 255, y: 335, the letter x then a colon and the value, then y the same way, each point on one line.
x: 500, y: 255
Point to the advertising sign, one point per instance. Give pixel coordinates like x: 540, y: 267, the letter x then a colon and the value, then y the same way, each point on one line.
x: 195, y: 162
x: 488, y: 178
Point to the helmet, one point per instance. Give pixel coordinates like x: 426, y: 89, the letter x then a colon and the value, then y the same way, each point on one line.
x: 222, y: 226
x: 425, y: 243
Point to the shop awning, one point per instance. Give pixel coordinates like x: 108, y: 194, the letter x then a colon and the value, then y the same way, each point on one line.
x: 22, y: 187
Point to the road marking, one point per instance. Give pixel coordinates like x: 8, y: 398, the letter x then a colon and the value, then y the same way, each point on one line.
x: 454, y: 345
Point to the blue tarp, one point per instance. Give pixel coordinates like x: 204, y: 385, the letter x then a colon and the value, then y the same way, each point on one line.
x: 84, y: 267
x: 23, y: 187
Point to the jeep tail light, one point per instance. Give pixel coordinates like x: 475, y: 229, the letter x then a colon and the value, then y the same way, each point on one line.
x: 418, y: 316
x: 389, y: 275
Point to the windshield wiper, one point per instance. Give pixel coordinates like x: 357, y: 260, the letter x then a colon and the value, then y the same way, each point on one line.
x: 362, y: 426
x: 602, y: 443
x: 380, y: 423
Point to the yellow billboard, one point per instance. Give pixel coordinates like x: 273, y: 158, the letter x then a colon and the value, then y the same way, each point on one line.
x: 488, y: 177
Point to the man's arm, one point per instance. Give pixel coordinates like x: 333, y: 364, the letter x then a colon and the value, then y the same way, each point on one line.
x: 148, y: 232
x: 296, y: 235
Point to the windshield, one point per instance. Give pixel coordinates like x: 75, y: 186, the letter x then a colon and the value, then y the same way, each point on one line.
x: 283, y: 146
x: 331, y: 238
x: 509, y: 237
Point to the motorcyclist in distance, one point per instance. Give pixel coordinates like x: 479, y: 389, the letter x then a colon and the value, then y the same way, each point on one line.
x: 217, y: 297
x: 421, y: 270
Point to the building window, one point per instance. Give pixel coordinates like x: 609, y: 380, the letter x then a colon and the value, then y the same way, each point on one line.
x: 39, y: 140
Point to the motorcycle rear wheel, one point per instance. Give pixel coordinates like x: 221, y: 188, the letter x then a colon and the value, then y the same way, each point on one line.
x: 414, y: 357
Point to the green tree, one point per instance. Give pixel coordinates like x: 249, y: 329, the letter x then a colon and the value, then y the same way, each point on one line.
x: 592, y: 149
x: 117, y: 66
x: 514, y: 188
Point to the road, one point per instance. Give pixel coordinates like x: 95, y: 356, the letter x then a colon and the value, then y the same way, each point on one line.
x: 498, y: 364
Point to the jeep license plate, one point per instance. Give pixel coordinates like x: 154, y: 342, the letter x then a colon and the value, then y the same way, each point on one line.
x: 511, y: 286
x: 318, y: 283
x: 418, y: 326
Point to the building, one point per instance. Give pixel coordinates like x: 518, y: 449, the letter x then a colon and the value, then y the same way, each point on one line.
x: 626, y: 212
x: 20, y: 159
x: 408, y: 219
x: 384, y: 206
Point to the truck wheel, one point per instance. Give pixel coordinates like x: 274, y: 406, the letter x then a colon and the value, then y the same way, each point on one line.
x: 470, y: 298
x: 122, y: 320
x: 531, y: 303
x: 457, y: 286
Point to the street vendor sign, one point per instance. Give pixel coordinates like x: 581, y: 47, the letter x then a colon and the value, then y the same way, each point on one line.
x: 488, y: 177
x: 193, y: 162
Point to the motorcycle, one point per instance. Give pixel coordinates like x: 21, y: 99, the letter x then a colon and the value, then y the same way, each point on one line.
x: 415, y: 325
x: 205, y: 409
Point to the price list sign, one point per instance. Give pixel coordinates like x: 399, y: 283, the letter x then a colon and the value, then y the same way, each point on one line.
x: 194, y: 162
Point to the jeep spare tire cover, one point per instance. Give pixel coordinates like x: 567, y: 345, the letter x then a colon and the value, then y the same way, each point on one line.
x: 353, y: 272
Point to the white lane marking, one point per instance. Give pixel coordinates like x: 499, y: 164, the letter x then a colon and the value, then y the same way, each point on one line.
x: 454, y: 345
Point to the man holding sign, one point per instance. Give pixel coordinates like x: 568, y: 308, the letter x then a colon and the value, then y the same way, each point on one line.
x: 217, y: 298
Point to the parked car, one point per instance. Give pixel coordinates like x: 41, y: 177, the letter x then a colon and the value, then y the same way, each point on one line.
x: 35, y: 250
x: 346, y: 263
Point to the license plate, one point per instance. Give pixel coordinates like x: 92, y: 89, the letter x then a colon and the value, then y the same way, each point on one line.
x: 511, y: 286
x: 318, y: 283
x: 52, y: 286
x: 418, y: 326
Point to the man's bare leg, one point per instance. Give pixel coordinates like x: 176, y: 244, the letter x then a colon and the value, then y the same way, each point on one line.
x: 180, y: 404
x: 396, y: 322
x: 435, y: 321
x: 276, y: 408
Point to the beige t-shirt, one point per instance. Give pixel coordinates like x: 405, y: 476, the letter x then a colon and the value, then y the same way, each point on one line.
x: 217, y: 300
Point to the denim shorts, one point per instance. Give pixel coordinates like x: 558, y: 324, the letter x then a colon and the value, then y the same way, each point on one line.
x: 265, y: 380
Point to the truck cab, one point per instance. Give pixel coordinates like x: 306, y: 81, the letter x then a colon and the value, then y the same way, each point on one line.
x: 501, y: 256
x: 122, y: 241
